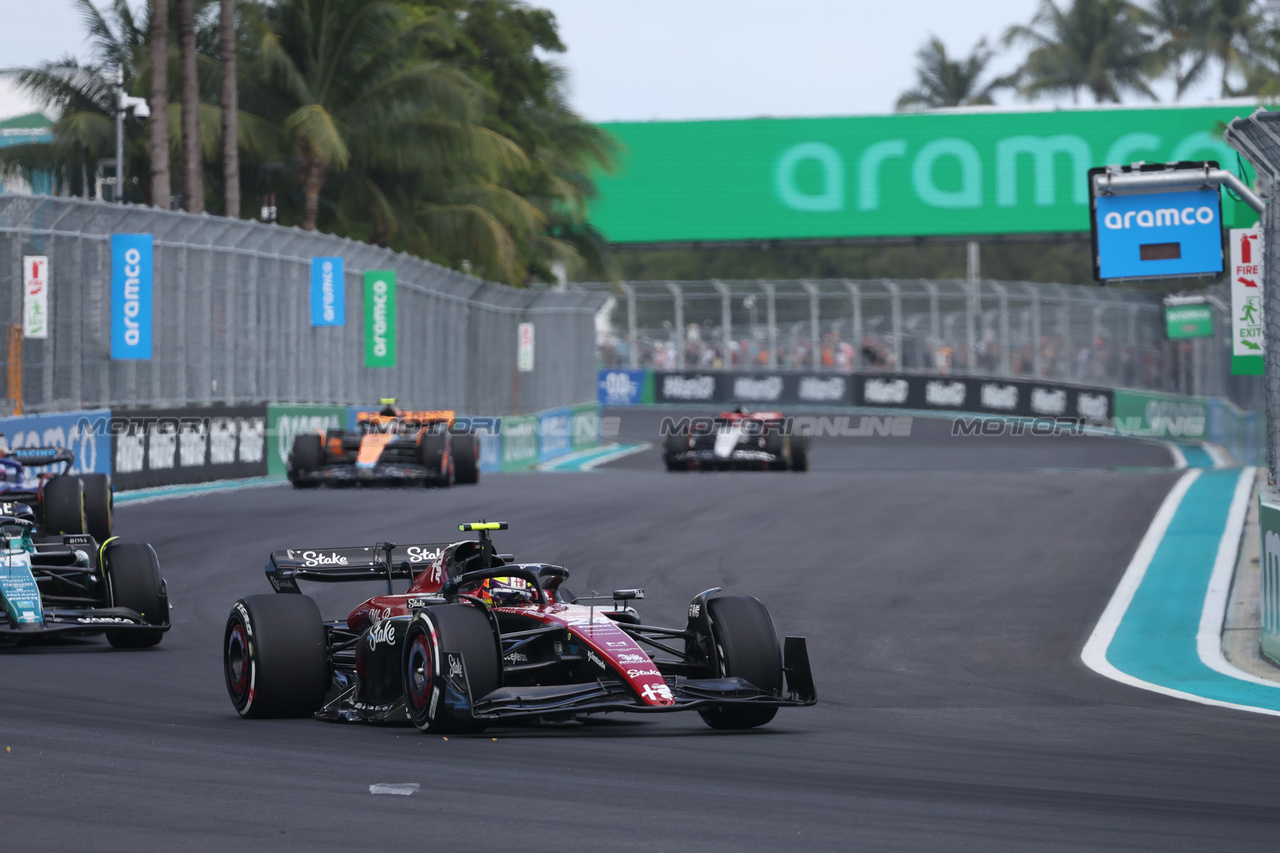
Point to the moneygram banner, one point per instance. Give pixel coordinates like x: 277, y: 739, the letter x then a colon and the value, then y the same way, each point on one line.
x: 1247, y: 338
x: 875, y: 176
x: 380, y: 318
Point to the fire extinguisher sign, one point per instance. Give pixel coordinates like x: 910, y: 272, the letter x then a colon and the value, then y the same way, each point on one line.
x: 35, y: 296
x: 1247, y: 336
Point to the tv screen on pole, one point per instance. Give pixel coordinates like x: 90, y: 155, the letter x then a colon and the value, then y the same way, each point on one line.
x: 948, y: 173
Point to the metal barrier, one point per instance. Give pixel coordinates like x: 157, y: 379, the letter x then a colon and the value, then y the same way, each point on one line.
x: 232, y: 320
x: 1068, y: 333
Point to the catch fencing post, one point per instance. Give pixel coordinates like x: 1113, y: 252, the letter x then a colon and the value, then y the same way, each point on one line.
x: 771, y: 317
x: 633, y: 344
x: 679, y: 321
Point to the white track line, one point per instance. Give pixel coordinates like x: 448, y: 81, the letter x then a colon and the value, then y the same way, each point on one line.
x: 1094, y: 654
x: 1209, y: 637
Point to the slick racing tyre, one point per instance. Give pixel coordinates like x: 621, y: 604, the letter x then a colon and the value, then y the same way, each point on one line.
x: 672, y: 446
x: 307, y: 457
x: 775, y: 445
x: 466, y: 459
x: 746, y: 645
x: 275, y: 656
x: 98, y: 505
x: 133, y: 576
x: 433, y: 454
x: 799, y: 453
x: 443, y: 644
x: 62, y: 500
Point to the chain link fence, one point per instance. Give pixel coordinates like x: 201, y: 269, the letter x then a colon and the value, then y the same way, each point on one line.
x: 1070, y: 333
x: 231, y: 320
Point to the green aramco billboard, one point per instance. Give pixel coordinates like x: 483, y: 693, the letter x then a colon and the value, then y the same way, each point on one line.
x: 945, y: 173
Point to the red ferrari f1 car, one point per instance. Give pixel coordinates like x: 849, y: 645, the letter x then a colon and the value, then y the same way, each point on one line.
x: 478, y: 638
x: 739, y: 440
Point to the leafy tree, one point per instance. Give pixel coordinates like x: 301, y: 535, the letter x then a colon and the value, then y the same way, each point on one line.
x: 159, y: 125
x: 1181, y: 26
x: 944, y: 82
x: 1101, y: 46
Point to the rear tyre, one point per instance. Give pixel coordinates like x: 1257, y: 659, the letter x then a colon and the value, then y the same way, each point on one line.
x: 275, y: 656
x: 433, y: 454
x: 799, y: 453
x: 439, y: 637
x: 672, y: 446
x: 466, y: 459
x: 98, y: 505
x: 307, y: 458
x: 133, y: 576
x: 775, y: 445
x: 746, y: 644
x: 62, y: 501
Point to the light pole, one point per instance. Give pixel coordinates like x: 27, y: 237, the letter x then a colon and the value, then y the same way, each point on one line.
x: 141, y: 111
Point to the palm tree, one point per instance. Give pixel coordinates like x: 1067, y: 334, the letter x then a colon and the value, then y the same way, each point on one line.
x: 1231, y: 30
x: 348, y: 80
x: 192, y: 159
x: 1182, y: 27
x: 1100, y: 46
x: 230, y: 129
x: 83, y: 98
x: 943, y: 82
x: 159, y: 49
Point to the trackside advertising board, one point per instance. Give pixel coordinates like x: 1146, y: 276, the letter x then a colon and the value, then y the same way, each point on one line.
x: 618, y: 387
x: 939, y: 173
x: 77, y: 431
x: 519, y: 442
x: 586, y: 426
x: 1161, y: 415
x: 285, y: 423
x: 154, y: 447
x: 131, y: 285
x: 328, y: 292
x: 380, y: 318
x: 1157, y: 235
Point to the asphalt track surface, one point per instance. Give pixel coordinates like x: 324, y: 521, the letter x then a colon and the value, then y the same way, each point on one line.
x: 946, y: 590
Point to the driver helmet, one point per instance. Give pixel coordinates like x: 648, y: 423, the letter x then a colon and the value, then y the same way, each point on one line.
x: 506, y: 592
x: 389, y: 409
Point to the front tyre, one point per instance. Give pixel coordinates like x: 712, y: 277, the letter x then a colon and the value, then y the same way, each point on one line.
x: 275, y: 656
x: 98, y: 505
x: 442, y: 645
x: 746, y: 645
x: 133, y: 576
x: 62, y: 504
x: 466, y: 459
x: 306, y: 459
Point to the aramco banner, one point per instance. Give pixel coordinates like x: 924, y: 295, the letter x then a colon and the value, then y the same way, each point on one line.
x: 380, y: 318
x: 944, y: 173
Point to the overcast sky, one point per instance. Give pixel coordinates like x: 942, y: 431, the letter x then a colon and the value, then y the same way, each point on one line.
x: 685, y: 59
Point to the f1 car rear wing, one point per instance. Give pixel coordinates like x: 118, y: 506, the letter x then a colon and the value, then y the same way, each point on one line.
x: 34, y: 457
x: 383, y: 561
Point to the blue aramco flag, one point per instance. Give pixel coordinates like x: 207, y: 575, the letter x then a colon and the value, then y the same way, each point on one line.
x: 328, y: 292
x: 131, y: 264
x: 1159, y: 234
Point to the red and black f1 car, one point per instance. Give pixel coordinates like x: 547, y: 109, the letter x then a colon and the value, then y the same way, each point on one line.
x: 387, y: 447
x: 737, y: 440
x: 479, y: 639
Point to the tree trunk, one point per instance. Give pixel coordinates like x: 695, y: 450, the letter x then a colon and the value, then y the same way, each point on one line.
x: 313, y: 174
x: 160, y: 192
x: 230, y: 125
x: 192, y: 161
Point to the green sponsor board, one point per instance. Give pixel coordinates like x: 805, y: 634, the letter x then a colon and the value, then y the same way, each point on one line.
x: 285, y: 423
x: 519, y: 442
x: 1160, y: 415
x: 1269, y: 557
x: 879, y: 176
x: 380, y: 318
x: 1188, y: 321
x: 586, y: 425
